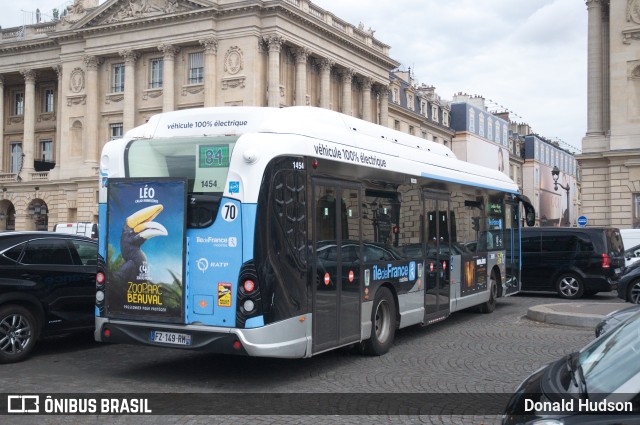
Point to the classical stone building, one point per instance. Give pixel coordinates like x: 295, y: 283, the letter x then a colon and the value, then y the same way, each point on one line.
x: 610, y: 160
x: 417, y: 109
x: 69, y: 86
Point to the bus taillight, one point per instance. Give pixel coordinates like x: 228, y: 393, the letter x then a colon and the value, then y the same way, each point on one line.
x: 99, y: 278
x: 249, y: 286
x: 248, y: 306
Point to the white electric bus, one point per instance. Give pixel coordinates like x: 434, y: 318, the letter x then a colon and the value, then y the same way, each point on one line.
x: 290, y: 232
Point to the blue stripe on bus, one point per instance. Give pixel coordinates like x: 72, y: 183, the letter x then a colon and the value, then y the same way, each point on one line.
x: 254, y: 322
x: 249, y: 212
x: 102, y: 226
x: 467, y: 182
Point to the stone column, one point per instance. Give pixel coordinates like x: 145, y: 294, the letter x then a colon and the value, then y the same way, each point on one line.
x: 273, y: 73
x: 58, y: 141
x: 29, y: 137
x: 1, y: 123
x: 594, y: 68
x: 129, y: 110
x: 366, y: 98
x: 347, y: 76
x: 168, y: 83
x: 301, y: 55
x: 91, y: 138
x: 383, y: 92
x: 325, y: 83
x: 210, y: 55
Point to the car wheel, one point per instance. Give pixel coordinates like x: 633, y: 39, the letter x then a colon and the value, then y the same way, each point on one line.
x: 570, y: 286
x: 383, y: 324
x: 634, y: 292
x: 18, y: 332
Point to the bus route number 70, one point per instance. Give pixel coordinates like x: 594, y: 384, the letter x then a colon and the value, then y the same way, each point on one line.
x: 229, y: 211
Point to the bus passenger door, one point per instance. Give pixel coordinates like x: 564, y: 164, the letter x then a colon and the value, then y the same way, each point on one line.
x: 437, y: 255
x: 512, y: 248
x: 336, y: 264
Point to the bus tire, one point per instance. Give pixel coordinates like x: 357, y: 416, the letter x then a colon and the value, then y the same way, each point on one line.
x: 18, y: 333
x: 383, y: 323
x: 490, y: 305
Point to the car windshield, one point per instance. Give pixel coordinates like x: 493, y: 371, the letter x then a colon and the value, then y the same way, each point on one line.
x: 602, y: 359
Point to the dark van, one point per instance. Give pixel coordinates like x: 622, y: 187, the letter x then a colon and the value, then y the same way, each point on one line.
x: 571, y: 261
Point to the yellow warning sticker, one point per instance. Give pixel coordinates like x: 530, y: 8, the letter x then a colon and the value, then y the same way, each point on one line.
x: 224, y: 294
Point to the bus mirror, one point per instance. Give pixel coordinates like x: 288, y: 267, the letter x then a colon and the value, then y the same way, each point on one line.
x: 531, y: 218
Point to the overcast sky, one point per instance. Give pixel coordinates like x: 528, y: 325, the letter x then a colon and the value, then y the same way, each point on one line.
x: 525, y: 56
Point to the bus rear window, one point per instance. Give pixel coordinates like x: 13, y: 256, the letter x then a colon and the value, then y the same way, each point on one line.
x: 204, y: 161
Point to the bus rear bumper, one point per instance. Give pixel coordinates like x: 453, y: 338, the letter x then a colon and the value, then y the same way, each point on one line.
x: 289, y: 338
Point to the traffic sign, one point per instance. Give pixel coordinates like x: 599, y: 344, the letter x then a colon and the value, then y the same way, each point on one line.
x: 582, y: 221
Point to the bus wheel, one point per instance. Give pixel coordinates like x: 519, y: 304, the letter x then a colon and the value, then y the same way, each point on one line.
x: 383, y: 324
x: 490, y: 305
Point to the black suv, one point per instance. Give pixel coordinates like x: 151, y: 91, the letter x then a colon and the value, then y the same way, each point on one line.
x: 47, y: 287
x: 571, y: 261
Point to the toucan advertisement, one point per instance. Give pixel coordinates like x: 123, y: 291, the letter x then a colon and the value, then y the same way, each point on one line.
x: 145, y: 248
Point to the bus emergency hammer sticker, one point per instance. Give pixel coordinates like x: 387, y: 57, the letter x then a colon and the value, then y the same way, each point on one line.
x: 229, y: 211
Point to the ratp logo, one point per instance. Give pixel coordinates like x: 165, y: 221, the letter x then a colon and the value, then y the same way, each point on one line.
x: 203, y: 264
x: 23, y: 404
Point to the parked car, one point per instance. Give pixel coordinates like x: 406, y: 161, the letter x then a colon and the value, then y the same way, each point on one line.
x: 629, y: 284
x: 554, y: 393
x: 571, y: 261
x: 631, y: 255
x: 614, y: 318
x: 47, y: 287
x: 630, y: 237
x: 89, y: 230
x: 350, y: 260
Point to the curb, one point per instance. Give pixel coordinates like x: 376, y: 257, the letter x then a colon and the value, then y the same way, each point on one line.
x: 554, y: 314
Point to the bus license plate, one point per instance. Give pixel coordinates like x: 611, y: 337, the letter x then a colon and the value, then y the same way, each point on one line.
x: 170, y: 338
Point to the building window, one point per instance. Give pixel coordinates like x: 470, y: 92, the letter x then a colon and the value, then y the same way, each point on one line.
x: 396, y: 125
x: 48, y: 100
x: 423, y: 108
x: 445, y: 118
x: 117, y: 82
x: 46, y: 150
x: 196, y: 68
x: 490, y: 129
x: 18, y: 103
x: 410, y: 102
x: 15, y: 158
x: 472, y: 121
x: 155, y: 79
x: 434, y: 113
x: 396, y: 95
x: 411, y: 130
x: 116, y: 131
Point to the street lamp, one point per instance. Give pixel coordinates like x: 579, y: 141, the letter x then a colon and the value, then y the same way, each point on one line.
x: 556, y: 173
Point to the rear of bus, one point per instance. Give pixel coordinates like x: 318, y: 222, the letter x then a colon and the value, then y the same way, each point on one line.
x: 176, y: 243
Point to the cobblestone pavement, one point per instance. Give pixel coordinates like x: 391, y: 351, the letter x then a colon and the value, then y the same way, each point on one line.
x: 467, y: 353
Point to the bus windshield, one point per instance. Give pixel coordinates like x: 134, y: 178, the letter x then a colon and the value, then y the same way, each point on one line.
x: 204, y: 161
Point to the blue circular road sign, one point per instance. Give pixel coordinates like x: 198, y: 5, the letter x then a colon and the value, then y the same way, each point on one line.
x: 582, y: 221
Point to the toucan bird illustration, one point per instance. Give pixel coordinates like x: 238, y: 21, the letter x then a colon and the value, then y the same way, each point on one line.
x: 137, y: 229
